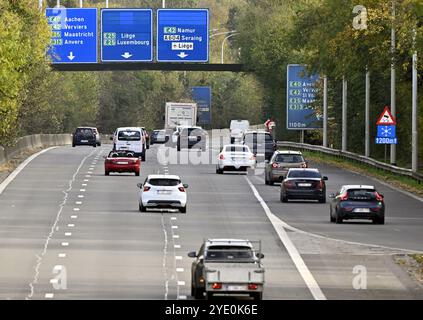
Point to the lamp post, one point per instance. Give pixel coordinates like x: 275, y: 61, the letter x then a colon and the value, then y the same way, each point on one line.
x: 223, y: 43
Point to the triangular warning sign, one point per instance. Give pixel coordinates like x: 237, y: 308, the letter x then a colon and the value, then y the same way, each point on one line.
x: 386, y: 118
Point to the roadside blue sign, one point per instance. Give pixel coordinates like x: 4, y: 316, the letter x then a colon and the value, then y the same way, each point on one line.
x: 301, y: 95
x: 126, y: 35
x: 386, y: 134
x: 202, y: 96
x: 74, y: 35
x: 182, y: 35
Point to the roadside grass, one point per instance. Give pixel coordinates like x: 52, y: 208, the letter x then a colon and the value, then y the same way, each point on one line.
x: 8, y: 167
x: 419, y: 268
x: 402, y: 182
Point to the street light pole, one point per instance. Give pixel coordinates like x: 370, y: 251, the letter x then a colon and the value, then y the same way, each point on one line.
x: 223, y: 44
x: 367, y: 117
x: 81, y: 3
x: 325, y: 111
x: 344, y: 113
x: 393, y: 76
x: 163, y: 4
x: 414, y: 122
x: 107, y: 3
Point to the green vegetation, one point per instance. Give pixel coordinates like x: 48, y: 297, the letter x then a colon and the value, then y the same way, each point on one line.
x: 406, y: 183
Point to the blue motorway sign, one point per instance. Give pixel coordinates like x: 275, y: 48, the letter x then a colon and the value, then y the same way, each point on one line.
x: 74, y: 35
x: 182, y: 35
x: 202, y: 96
x: 386, y: 134
x: 126, y: 35
x: 301, y: 94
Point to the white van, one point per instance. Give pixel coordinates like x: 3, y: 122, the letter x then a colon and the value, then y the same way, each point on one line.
x: 238, y: 128
x: 130, y: 138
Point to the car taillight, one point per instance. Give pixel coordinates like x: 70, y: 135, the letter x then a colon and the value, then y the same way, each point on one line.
x: 252, y: 286
x: 320, y: 185
x: 146, y: 188
x: 349, y: 209
x: 288, y: 184
x: 378, y: 197
x: 275, y: 165
x: 221, y: 156
x: 344, y: 196
x: 182, y: 189
x: 217, y: 285
x: 375, y: 209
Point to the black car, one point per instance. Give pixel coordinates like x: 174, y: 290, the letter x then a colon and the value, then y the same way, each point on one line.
x: 192, y: 137
x: 357, y: 202
x: 307, y: 184
x: 84, y: 136
x: 260, y: 143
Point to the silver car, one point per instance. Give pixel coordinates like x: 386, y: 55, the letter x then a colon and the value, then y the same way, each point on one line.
x: 281, y: 161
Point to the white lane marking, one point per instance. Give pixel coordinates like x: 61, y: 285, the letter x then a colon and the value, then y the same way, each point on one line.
x: 87, y: 176
x: 68, y: 234
x: 175, y: 236
x: 71, y: 225
x: 178, y: 257
x: 177, y: 246
x: 40, y: 256
x: 74, y: 217
x: 80, y: 196
x: 82, y: 190
x: 78, y: 202
x: 182, y: 297
x: 65, y: 244
x: 173, y: 218
x: 165, y: 258
x: 49, y: 295
x: 54, y: 281
x: 89, y: 172
x: 84, y: 184
x: 62, y: 255
x: 58, y: 267
x: 302, y: 268
x: 179, y: 269
x: 174, y: 227
x: 76, y: 209
x: 181, y: 283
x: 15, y: 172
x: 86, y: 180
x: 291, y: 228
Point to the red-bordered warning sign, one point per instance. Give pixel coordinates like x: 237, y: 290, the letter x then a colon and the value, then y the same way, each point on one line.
x: 386, y: 118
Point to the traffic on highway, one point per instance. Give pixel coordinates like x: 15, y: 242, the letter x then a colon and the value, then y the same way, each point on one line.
x: 210, y: 152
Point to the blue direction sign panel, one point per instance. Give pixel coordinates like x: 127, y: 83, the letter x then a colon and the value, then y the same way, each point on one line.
x: 301, y: 95
x: 126, y: 35
x: 182, y: 35
x: 74, y: 35
x: 386, y: 134
x: 202, y: 96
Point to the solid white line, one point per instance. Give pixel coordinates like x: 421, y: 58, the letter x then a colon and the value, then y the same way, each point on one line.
x: 15, y: 172
x: 49, y: 295
x: 302, y: 268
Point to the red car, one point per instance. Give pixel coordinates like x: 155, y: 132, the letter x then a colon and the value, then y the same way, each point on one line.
x: 122, y: 161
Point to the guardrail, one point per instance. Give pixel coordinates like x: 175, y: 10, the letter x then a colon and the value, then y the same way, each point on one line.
x: 354, y: 157
x: 32, y: 142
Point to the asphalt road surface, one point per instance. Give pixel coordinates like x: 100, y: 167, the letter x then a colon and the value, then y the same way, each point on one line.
x: 69, y: 232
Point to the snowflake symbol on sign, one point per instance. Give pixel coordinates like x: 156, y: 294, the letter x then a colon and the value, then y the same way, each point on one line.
x: 386, y: 131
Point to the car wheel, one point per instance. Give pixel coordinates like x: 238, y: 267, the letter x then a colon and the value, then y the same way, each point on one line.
x: 137, y: 173
x: 209, y: 295
x: 198, y: 293
x: 143, y: 156
x: 73, y: 145
x: 284, y: 199
x: 232, y: 140
x: 95, y: 145
x: 106, y: 173
x: 379, y: 220
x: 332, y: 219
x: 266, y: 181
x: 322, y: 199
x: 142, y: 208
x: 271, y: 182
x: 183, y: 210
x: 338, y: 219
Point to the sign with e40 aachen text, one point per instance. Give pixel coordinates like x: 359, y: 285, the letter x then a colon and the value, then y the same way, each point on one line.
x: 74, y: 35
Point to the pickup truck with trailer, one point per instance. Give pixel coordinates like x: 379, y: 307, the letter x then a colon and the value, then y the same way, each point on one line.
x: 228, y: 267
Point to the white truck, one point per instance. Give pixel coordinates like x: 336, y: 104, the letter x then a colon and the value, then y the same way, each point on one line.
x: 229, y: 267
x: 180, y: 114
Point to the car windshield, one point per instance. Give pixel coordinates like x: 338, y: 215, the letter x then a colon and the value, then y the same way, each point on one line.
x: 229, y: 253
x: 304, y: 174
x: 289, y: 158
x: 129, y: 135
x: 236, y: 149
x: 361, y: 194
x: 164, y: 182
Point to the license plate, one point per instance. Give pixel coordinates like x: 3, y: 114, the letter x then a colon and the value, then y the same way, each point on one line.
x: 304, y: 184
x: 237, y: 288
x: 122, y: 162
x: 362, y: 210
x: 164, y: 192
x: 84, y: 140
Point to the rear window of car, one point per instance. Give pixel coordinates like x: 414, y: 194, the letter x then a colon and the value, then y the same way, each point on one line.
x: 258, y: 138
x: 125, y: 154
x: 361, y: 194
x: 289, y: 158
x: 243, y: 124
x: 191, y: 131
x: 129, y: 135
x: 229, y: 253
x: 164, y: 182
x: 84, y: 131
x: 236, y: 149
x: 304, y: 174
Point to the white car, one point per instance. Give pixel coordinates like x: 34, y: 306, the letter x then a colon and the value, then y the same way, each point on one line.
x: 163, y: 191
x: 130, y: 139
x: 235, y: 157
x: 237, y: 129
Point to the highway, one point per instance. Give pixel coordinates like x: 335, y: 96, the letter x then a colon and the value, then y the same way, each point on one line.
x: 60, y: 216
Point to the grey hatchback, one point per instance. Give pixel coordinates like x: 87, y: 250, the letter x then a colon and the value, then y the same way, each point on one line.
x: 281, y: 161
